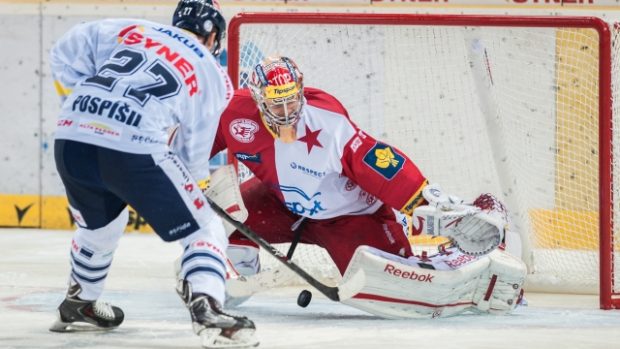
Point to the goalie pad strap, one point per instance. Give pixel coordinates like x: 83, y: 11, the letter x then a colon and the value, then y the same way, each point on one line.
x: 487, y: 295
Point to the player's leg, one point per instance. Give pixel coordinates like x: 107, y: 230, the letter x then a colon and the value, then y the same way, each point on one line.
x: 269, y: 218
x: 162, y: 190
x: 101, y: 218
x: 343, y: 235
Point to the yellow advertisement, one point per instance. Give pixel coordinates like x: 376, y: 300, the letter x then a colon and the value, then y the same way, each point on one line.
x: 49, y: 212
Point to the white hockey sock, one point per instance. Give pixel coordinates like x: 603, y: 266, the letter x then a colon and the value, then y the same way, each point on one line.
x: 91, y: 255
x: 203, y: 261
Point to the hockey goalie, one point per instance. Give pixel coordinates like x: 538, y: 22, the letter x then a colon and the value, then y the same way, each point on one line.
x: 321, y: 180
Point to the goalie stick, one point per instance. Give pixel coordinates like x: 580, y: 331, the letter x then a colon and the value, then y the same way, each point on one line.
x: 335, y: 293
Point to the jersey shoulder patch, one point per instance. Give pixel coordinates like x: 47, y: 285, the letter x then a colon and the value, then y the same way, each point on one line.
x: 384, y: 160
x: 241, y: 119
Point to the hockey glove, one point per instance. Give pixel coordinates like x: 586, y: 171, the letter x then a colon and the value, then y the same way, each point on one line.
x: 475, y: 229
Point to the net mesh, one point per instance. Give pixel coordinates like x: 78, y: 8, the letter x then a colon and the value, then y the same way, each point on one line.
x: 505, y: 110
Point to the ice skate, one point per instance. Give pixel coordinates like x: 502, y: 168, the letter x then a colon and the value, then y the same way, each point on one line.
x: 216, y: 328
x: 75, y: 314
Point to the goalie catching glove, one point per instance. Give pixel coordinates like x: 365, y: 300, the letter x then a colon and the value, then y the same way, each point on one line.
x: 475, y: 229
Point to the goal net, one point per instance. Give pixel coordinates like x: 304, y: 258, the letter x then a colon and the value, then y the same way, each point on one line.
x: 520, y: 107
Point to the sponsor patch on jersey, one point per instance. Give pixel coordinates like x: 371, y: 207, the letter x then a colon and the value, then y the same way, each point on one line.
x: 243, y: 130
x: 140, y: 139
x: 384, y: 160
x: 248, y: 157
x: 307, y: 205
x: 307, y: 170
x: 64, y: 123
x: 99, y: 129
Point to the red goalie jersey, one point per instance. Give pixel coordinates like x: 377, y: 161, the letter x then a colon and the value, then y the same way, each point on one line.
x: 332, y: 169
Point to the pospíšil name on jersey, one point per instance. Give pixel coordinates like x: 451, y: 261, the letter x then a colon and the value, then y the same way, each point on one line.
x: 332, y: 169
x: 128, y: 84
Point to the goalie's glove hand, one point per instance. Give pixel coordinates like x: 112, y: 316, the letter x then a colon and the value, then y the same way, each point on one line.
x: 475, y: 229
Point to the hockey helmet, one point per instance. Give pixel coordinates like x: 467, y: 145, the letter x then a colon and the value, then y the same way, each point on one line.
x: 277, y: 87
x: 201, y: 17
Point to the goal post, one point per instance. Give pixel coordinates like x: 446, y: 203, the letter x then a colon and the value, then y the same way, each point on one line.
x: 519, y: 106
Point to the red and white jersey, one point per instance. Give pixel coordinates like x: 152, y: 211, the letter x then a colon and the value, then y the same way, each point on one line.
x: 333, y: 169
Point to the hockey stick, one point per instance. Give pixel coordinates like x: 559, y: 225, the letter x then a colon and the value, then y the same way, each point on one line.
x: 246, y: 286
x: 296, y: 228
x: 329, y: 291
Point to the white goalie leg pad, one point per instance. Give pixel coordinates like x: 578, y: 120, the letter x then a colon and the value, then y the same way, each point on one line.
x: 396, y: 287
x: 501, y: 286
x: 224, y: 191
x: 241, y: 286
x: 245, y: 276
x: 243, y: 262
x: 243, y: 259
x: 437, y: 286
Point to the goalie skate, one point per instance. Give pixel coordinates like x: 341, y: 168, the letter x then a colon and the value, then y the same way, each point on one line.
x: 76, y: 315
x: 216, y: 328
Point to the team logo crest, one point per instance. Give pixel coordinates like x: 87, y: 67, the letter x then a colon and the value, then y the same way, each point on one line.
x: 384, y: 160
x: 243, y: 130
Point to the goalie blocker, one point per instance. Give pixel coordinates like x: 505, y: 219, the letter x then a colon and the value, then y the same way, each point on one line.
x: 445, y: 284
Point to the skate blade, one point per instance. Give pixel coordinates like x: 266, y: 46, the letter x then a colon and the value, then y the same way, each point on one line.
x: 211, y: 339
x: 60, y: 326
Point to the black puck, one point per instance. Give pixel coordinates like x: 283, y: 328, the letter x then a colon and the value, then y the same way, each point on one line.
x: 304, y: 298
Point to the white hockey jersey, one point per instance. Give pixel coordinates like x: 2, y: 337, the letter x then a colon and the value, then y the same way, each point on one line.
x: 333, y: 169
x: 129, y: 83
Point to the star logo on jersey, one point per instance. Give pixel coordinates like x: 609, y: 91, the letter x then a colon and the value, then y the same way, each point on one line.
x: 311, y: 138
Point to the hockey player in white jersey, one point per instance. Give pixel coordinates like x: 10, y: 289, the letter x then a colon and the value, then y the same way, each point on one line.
x: 313, y: 165
x: 142, y: 102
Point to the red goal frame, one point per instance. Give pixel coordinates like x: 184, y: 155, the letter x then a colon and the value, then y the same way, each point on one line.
x: 608, y: 298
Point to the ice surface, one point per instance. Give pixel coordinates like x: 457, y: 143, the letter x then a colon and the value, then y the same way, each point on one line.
x: 34, y: 266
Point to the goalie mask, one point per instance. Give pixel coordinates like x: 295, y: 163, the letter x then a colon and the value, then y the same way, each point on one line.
x: 277, y: 88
